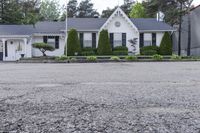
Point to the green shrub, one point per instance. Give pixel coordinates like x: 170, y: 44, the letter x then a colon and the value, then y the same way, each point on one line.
x: 63, y: 57
x: 130, y: 58
x: 91, y: 58
x: 120, y: 48
x: 166, y: 45
x: 157, y: 57
x: 149, y: 50
x: 120, y: 52
x: 176, y: 57
x: 43, y: 47
x: 88, y: 51
x: 73, y: 45
x: 115, y: 58
x: 104, y: 47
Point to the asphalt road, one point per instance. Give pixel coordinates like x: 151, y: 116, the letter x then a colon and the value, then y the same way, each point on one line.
x: 105, y: 98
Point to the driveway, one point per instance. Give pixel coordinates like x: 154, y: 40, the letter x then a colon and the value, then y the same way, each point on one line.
x: 104, y: 98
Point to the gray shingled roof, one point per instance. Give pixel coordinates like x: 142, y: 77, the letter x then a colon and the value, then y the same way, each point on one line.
x: 81, y: 24
x: 85, y: 24
x: 50, y: 27
x: 151, y: 24
x: 143, y: 24
x: 16, y: 29
x: 40, y: 27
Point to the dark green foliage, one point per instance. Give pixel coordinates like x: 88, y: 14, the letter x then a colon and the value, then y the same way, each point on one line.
x: 86, y: 10
x: 120, y: 48
x: 18, y: 12
x: 73, y: 45
x: 123, y: 52
x: 104, y: 47
x: 166, y: 45
x: 88, y: 51
x: 72, y: 8
x: 149, y: 50
x: 43, y: 47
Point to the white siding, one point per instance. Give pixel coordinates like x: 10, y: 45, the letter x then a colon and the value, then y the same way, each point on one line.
x: 159, y: 36
x: 124, y: 28
x: 57, y: 52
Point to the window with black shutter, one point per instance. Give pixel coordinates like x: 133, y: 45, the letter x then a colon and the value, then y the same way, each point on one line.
x: 123, y: 39
x: 141, y: 40
x: 45, y: 38
x: 111, y: 39
x: 6, y: 49
x: 81, y: 35
x: 57, y: 42
x: 94, y: 40
x: 154, y: 39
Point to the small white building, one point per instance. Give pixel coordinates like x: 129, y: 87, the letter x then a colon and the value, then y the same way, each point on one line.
x: 16, y: 40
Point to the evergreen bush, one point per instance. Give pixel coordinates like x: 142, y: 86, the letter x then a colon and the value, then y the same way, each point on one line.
x: 104, y: 47
x: 166, y: 45
x: 73, y: 44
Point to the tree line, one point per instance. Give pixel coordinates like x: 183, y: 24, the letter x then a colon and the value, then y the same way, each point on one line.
x: 29, y: 11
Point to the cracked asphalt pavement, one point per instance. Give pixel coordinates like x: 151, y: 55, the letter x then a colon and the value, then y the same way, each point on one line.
x: 100, y: 98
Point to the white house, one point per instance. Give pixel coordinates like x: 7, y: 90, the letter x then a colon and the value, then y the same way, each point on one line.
x: 16, y: 40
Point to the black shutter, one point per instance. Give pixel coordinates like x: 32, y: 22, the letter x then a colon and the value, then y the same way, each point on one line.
x: 111, y: 40
x: 141, y: 40
x: 6, y: 49
x: 94, y: 40
x: 57, y: 42
x: 81, y: 39
x: 153, y: 39
x: 45, y: 39
x: 123, y: 39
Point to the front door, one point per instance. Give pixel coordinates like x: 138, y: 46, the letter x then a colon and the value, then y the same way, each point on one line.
x: 1, y: 51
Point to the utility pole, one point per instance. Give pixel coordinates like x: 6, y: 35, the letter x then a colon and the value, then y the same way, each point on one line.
x: 180, y: 27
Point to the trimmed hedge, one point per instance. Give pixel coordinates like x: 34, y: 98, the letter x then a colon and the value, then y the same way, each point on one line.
x: 73, y: 44
x: 149, y: 50
x: 104, y: 47
x: 166, y: 45
x: 120, y: 52
x: 88, y: 51
x: 120, y: 48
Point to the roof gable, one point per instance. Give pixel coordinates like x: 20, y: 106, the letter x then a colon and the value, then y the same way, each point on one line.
x: 119, y: 12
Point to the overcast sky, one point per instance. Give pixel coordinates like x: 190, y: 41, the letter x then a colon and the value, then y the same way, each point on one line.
x: 103, y: 4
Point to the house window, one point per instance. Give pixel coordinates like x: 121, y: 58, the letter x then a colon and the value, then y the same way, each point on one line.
x: 154, y: 39
x: 87, y: 40
x: 147, y: 39
x: 94, y: 40
x: 52, y: 41
x: 123, y: 39
x: 81, y: 36
x: 117, y: 39
x: 111, y: 40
